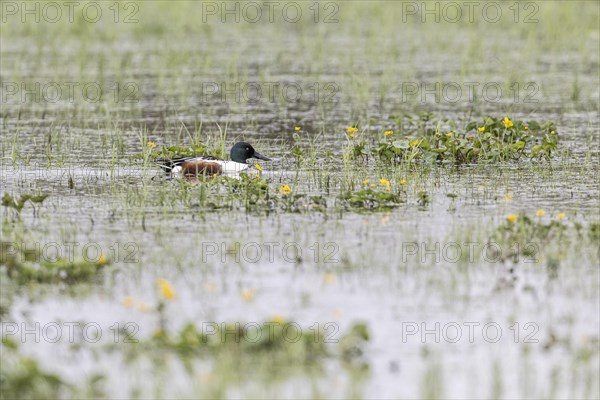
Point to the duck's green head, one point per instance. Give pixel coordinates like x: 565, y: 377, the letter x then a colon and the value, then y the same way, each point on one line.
x: 242, y: 151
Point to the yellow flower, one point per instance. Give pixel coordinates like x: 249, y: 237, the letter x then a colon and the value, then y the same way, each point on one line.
x: 385, y: 219
x: 526, y: 127
x: 102, y: 261
x: 278, y: 319
x: 297, y: 129
x: 481, y: 129
x: 247, y: 294
x: 385, y: 182
x: 449, y: 134
x: 512, y: 218
x: 258, y: 167
x: 403, y: 182
x: 540, y: 213
x: 507, y: 122
x: 151, y: 144
x: 351, y: 129
x: 388, y: 133
x: 366, y: 182
x: 328, y: 278
x: 158, y: 333
x: 128, y: 301
x: 561, y: 216
x: 211, y: 287
x: 166, y: 289
x: 285, y: 190
x: 553, y: 133
x: 351, y: 136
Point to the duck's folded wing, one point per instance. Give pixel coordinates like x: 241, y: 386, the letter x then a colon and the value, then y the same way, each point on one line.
x: 169, y: 164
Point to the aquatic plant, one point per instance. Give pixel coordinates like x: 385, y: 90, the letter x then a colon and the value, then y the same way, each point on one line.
x: 426, y: 138
x: 17, y: 205
x: 24, y: 265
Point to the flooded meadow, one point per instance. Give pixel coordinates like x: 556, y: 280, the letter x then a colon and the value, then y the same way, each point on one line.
x: 428, y: 225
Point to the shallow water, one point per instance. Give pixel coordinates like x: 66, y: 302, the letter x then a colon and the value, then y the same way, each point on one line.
x: 440, y: 324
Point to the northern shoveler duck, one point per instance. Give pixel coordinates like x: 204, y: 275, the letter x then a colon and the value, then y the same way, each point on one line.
x: 209, y: 165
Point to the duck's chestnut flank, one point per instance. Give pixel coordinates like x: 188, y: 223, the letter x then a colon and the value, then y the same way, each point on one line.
x: 201, y: 167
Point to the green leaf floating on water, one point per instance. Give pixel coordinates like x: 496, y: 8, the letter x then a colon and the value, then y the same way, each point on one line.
x: 401, y: 144
x: 520, y: 145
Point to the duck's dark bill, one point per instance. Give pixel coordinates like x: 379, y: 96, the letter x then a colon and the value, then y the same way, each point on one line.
x: 260, y: 156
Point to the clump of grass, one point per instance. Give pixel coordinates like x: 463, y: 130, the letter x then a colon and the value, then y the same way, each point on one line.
x: 194, y: 150
x: 25, y: 266
x: 274, y: 343
x: 537, y: 239
x: 522, y: 228
x: 17, y: 204
x: 371, y: 199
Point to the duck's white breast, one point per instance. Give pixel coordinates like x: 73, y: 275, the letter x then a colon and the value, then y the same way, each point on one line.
x: 232, y: 167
